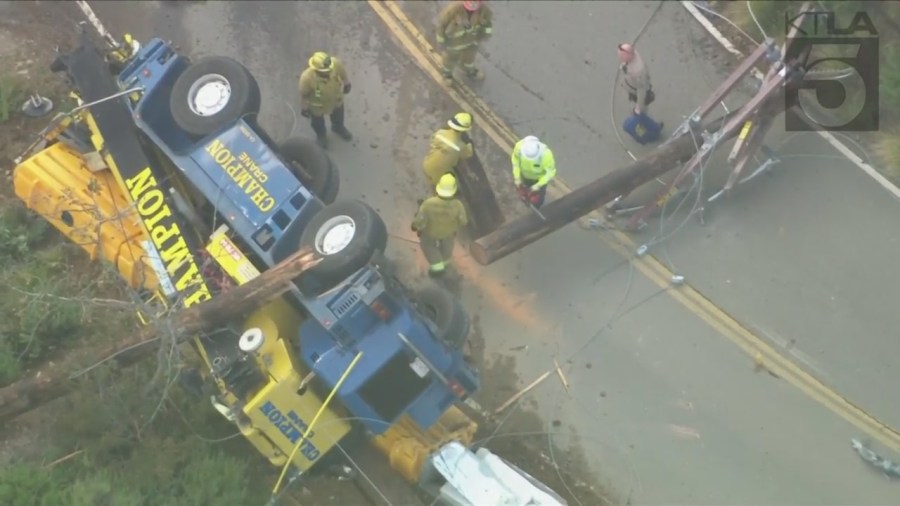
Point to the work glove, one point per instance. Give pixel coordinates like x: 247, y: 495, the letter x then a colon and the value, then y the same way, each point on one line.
x: 517, y: 182
x: 535, y: 188
x: 522, y: 192
x: 346, y: 88
x: 304, y: 113
x: 465, y: 138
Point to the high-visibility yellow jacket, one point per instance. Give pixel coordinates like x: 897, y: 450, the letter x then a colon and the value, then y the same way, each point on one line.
x: 322, y: 95
x: 541, y: 171
x: 440, y: 218
x: 458, y: 29
x: 447, y: 148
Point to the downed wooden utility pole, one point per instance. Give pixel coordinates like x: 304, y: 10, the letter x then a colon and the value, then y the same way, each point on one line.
x: 484, y: 212
x: 54, y: 380
x: 523, y: 231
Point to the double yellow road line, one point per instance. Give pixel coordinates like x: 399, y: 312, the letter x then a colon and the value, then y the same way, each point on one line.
x: 421, y: 51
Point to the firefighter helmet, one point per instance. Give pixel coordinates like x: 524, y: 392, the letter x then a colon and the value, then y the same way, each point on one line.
x: 462, y: 122
x: 321, y: 62
x: 446, y: 187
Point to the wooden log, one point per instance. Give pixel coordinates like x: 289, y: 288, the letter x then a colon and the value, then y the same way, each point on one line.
x: 527, y: 229
x: 54, y: 380
x: 485, y: 215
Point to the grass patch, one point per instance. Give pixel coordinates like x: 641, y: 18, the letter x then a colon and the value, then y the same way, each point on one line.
x: 12, y: 95
x: 141, y: 443
x: 886, y: 145
x: 46, y: 306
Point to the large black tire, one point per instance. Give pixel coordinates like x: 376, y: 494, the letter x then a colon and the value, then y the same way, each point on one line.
x: 312, y: 166
x: 447, y: 313
x: 245, y: 98
x: 369, y: 237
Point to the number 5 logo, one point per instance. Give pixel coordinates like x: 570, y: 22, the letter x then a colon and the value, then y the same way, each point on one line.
x: 839, y: 91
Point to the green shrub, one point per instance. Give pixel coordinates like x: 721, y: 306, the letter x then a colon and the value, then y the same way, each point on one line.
x: 33, y: 317
x: 25, y: 484
x: 12, y: 94
x: 9, y: 364
x: 889, y: 75
x: 20, y: 231
x: 886, y: 146
x: 102, y: 487
x: 162, y: 459
x: 215, y: 478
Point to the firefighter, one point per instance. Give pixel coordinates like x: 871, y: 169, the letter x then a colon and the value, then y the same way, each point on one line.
x: 533, y: 168
x: 448, y: 146
x: 437, y: 222
x: 461, y: 27
x: 322, y: 88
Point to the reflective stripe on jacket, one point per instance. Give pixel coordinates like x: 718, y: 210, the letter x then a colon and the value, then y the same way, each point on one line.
x: 458, y: 29
x: 447, y: 148
x: 322, y: 96
x: 541, y: 171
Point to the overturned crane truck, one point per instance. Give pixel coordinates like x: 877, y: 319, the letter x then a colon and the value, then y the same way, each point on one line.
x: 164, y: 171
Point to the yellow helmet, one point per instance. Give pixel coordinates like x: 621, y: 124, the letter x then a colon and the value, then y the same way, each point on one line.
x: 462, y: 122
x: 321, y: 62
x: 446, y: 187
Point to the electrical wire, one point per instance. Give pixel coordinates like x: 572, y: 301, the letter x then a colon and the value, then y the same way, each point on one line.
x: 753, y: 15
x: 730, y: 22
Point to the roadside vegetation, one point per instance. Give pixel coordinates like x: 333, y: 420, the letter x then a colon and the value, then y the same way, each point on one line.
x: 882, y: 146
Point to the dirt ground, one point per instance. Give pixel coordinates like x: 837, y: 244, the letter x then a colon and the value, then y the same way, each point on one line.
x: 30, y: 32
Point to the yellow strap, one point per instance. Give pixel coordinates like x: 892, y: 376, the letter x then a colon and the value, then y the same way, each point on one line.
x: 314, y: 420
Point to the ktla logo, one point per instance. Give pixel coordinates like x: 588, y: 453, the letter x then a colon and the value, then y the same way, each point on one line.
x: 839, y: 88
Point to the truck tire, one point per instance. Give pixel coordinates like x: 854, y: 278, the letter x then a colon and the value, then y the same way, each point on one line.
x: 347, y: 234
x: 447, y: 313
x: 212, y: 94
x: 312, y: 166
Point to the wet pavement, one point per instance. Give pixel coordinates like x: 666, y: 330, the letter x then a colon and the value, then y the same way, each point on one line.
x: 662, y: 406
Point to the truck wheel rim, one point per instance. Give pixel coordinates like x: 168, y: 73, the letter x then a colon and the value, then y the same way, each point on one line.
x: 209, y: 95
x: 335, y: 235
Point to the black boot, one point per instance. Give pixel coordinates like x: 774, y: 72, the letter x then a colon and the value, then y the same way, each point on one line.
x: 337, y: 124
x: 318, y: 126
x: 342, y: 132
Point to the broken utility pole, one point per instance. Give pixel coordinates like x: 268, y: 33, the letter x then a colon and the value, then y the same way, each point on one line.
x: 686, y: 145
x: 522, y: 231
x: 54, y: 380
x: 484, y: 212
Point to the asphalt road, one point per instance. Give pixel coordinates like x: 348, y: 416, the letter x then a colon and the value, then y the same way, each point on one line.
x: 664, y: 408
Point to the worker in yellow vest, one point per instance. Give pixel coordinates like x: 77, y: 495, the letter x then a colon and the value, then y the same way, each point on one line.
x: 322, y: 88
x: 533, y: 167
x: 448, y: 146
x: 461, y: 27
x: 437, y: 222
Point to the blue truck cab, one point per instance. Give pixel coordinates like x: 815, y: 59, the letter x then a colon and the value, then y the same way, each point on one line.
x: 278, y: 197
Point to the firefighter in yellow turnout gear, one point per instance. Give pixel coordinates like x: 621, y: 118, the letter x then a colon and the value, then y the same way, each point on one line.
x: 322, y: 88
x: 448, y: 146
x: 461, y: 27
x: 437, y: 222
